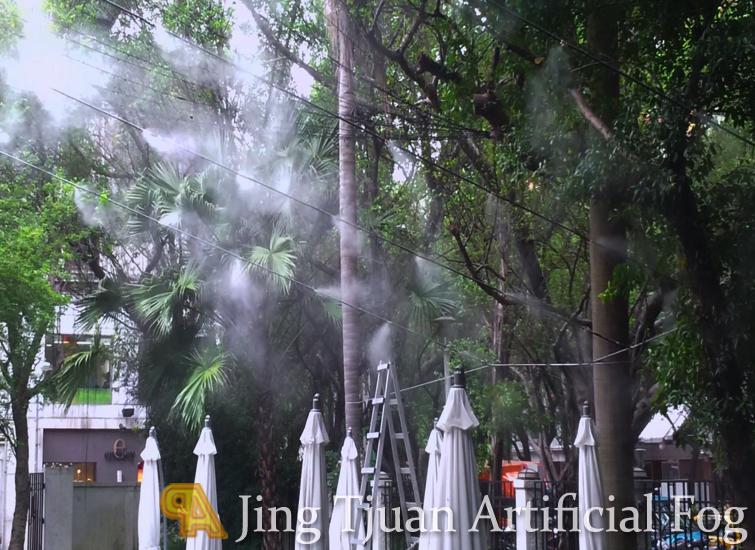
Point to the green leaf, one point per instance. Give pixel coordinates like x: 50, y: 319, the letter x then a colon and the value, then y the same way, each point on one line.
x: 277, y: 261
x: 207, y: 377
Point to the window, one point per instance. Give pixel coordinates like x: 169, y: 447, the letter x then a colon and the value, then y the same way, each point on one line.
x: 96, y: 389
x: 84, y: 472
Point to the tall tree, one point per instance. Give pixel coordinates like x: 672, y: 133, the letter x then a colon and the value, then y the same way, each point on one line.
x: 37, y: 218
x: 612, y: 381
x: 342, y: 38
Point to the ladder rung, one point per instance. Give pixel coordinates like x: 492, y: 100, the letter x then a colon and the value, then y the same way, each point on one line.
x: 378, y: 400
x: 382, y: 366
x: 405, y: 471
x: 373, y: 435
x: 399, y: 435
x: 368, y: 470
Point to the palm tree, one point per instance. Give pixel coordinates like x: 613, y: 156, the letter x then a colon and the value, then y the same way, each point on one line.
x: 212, y: 319
x: 341, y: 36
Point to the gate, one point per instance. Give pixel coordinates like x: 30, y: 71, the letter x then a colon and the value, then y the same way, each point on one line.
x: 36, y: 511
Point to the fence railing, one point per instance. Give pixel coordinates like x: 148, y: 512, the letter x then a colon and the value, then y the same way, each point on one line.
x: 672, y: 521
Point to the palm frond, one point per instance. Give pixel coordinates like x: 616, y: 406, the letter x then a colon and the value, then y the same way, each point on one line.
x: 429, y: 300
x: 333, y: 310
x: 106, y: 301
x: 158, y: 302
x: 277, y: 261
x: 320, y: 155
x: 207, y: 377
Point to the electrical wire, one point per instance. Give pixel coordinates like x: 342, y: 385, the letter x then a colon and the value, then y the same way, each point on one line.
x: 425, y: 160
x: 426, y: 257
x: 339, y: 219
x: 325, y: 212
x: 601, y: 360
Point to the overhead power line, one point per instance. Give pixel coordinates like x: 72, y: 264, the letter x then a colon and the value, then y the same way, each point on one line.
x: 310, y: 288
x: 325, y: 212
x: 602, y: 360
x: 541, y: 306
x: 425, y: 160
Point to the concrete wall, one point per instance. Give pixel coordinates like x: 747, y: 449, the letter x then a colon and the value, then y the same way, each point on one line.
x: 105, y: 517
x: 58, y: 525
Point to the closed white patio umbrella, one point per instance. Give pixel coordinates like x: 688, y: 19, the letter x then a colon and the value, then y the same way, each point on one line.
x: 430, y: 499
x: 590, y: 486
x: 458, y: 483
x: 343, y: 520
x: 313, y: 490
x: 205, y: 476
x: 149, y: 496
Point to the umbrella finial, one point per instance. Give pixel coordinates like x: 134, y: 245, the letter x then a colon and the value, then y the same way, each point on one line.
x: 316, y: 402
x: 460, y: 378
x: 586, y: 408
x: 152, y: 431
x: 349, y: 432
x: 207, y: 421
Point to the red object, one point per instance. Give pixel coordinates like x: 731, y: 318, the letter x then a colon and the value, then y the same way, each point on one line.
x: 510, y: 470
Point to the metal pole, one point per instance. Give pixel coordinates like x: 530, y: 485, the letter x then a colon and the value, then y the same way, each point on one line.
x: 163, y: 519
x: 447, y: 368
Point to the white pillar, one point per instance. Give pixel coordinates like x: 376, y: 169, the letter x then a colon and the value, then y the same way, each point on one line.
x: 524, y: 488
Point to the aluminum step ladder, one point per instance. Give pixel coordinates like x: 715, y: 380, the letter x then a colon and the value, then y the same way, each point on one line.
x: 387, y: 407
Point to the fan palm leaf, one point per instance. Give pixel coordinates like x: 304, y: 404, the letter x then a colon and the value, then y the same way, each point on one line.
x: 277, y: 261
x: 429, y: 300
x: 158, y: 302
x: 208, y: 375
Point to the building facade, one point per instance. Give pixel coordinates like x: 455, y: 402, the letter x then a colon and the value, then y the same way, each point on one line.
x: 100, y: 436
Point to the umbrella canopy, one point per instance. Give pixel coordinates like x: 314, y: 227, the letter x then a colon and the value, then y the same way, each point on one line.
x: 458, y: 484
x: 149, y: 497
x: 205, y: 476
x: 590, y: 487
x: 343, y: 520
x: 430, y: 501
x: 313, y: 490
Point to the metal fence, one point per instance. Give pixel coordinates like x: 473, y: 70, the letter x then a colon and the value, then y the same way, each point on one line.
x: 664, y: 498
x: 36, y: 510
x: 685, y: 514
x: 672, y: 521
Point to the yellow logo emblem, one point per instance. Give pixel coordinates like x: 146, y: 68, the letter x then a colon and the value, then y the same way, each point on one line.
x: 188, y: 504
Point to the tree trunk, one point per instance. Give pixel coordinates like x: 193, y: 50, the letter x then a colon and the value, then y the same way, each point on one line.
x: 611, y: 379
x: 20, y: 408
x: 348, y: 212
x: 267, y: 472
x: 610, y: 314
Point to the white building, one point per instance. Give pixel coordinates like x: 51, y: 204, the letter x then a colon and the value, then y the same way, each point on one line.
x: 100, y: 436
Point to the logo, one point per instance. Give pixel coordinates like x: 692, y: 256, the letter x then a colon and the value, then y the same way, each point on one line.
x: 120, y: 452
x: 188, y: 504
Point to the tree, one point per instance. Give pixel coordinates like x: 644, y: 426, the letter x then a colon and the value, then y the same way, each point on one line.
x: 340, y: 27
x: 37, y: 224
